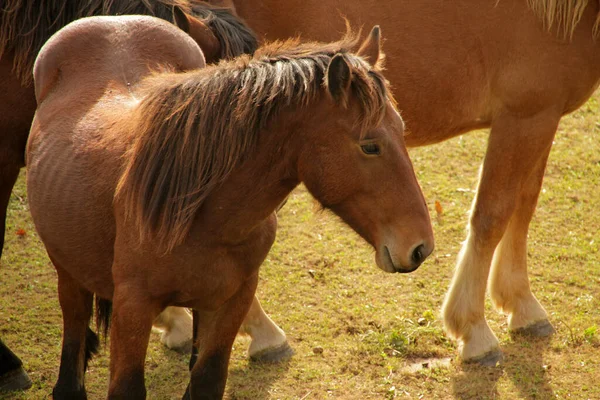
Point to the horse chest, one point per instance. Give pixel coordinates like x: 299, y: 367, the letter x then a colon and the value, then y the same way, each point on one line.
x: 198, y: 273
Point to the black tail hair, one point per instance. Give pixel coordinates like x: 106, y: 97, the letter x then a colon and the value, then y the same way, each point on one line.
x: 103, y: 313
x: 92, y: 342
x: 91, y: 346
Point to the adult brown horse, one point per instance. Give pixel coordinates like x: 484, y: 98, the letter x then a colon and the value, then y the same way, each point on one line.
x: 169, y: 183
x: 516, y: 66
x: 24, y: 27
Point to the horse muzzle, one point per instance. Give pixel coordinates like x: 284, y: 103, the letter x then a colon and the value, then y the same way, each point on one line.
x: 388, y: 261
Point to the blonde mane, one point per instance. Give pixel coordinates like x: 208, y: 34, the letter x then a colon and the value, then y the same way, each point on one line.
x: 195, y: 128
x: 564, y: 14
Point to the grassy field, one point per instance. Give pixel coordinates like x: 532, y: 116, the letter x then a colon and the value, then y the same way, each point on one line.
x: 381, y: 335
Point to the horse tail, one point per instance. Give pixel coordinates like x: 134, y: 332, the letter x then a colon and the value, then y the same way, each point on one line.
x: 91, y: 346
x: 92, y: 341
x: 103, y: 314
x: 234, y: 36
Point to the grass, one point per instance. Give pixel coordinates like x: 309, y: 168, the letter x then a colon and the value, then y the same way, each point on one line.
x: 381, y: 335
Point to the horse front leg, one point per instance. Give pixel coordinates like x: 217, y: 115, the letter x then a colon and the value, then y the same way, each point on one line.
x: 509, y: 284
x: 216, y: 332
x: 268, y: 341
x: 12, y: 375
x: 131, y: 324
x: 516, y: 145
x: 79, y: 342
x: 8, y: 177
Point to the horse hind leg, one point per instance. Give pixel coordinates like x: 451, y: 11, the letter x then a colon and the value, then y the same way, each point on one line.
x: 79, y: 342
x: 216, y: 332
x: 516, y: 145
x: 509, y: 283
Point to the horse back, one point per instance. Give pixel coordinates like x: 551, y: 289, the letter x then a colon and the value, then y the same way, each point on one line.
x: 91, y: 52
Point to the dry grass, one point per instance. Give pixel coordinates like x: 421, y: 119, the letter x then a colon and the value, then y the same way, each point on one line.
x: 321, y: 285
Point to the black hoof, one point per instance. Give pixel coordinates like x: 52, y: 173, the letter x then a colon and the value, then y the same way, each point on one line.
x: 274, y: 355
x: 16, y: 379
x: 489, y: 359
x: 540, y: 329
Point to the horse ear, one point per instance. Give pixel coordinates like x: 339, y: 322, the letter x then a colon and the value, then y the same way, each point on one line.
x: 181, y: 19
x: 371, y: 47
x: 339, y: 77
x: 206, y: 39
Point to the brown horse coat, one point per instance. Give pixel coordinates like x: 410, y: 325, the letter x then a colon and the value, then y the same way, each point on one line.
x: 161, y: 190
x: 513, y: 65
x: 25, y: 25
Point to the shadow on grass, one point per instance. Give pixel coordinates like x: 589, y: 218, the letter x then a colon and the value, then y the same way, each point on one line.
x: 255, y: 380
x: 523, y: 365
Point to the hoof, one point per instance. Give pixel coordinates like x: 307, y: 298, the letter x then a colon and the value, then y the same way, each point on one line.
x: 540, y: 329
x: 274, y: 355
x: 16, y: 379
x: 489, y: 359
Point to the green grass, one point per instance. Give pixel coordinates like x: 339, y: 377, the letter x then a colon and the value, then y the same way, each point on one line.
x: 377, y: 330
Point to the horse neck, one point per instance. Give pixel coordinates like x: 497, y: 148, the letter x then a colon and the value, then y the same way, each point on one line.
x: 263, y: 181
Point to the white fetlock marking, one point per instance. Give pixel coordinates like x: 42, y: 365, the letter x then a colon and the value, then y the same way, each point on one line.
x: 176, y: 325
x: 529, y: 312
x: 265, y: 338
x: 481, y: 341
x: 464, y: 300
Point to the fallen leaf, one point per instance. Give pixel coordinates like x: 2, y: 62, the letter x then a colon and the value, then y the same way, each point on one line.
x: 438, y: 208
x: 21, y: 232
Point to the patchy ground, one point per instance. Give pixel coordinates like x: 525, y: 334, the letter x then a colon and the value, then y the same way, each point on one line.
x: 380, y: 335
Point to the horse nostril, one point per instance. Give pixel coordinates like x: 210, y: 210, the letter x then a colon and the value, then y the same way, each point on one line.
x: 418, y: 255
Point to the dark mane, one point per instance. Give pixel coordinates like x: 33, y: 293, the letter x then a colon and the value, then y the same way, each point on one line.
x: 195, y: 128
x: 234, y: 36
x: 25, y: 25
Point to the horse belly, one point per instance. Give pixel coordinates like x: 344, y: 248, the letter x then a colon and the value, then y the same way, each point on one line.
x: 71, y: 211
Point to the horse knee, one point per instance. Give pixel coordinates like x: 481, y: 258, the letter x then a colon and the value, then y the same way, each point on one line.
x: 488, y: 222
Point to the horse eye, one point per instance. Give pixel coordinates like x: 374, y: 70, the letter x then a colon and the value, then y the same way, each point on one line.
x: 370, y: 149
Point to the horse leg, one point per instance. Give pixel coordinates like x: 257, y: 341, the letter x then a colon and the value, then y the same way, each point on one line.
x: 12, y: 374
x: 509, y: 283
x: 131, y: 325
x: 269, y: 343
x: 79, y: 342
x: 215, y: 336
x: 8, y: 177
x: 176, y: 325
x: 516, y: 145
